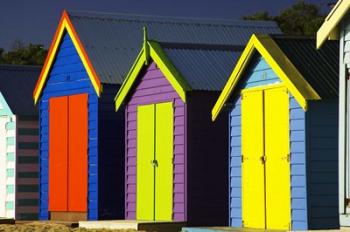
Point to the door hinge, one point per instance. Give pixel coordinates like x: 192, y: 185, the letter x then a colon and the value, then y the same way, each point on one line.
x: 263, y: 159
x: 243, y: 158
x: 287, y: 158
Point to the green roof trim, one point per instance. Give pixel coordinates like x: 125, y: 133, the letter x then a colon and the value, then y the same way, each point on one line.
x: 152, y: 50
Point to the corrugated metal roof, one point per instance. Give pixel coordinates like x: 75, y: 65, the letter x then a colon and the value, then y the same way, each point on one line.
x: 319, y: 67
x: 16, y: 85
x: 113, y: 41
x: 203, y: 67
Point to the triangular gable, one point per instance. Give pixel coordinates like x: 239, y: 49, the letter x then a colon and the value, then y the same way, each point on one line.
x: 280, y: 64
x: 65, y: 25
x: 152, y: 50
x: 4, y: 107
x: 329, y: 28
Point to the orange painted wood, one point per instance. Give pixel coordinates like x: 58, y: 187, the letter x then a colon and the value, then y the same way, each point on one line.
x: 58, y: 153
x: 78, y: 146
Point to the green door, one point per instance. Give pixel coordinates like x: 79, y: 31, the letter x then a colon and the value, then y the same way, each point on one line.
x: 155, y: 162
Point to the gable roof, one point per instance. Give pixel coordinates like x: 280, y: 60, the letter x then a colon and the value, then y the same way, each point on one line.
x: 111, y: 42
x: 309, y: 74
x: 187, y: 67
x: 16, y: 85
x: 329, y: 28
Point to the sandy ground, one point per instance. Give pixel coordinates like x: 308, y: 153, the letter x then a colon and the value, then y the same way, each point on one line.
x: 42, y: 227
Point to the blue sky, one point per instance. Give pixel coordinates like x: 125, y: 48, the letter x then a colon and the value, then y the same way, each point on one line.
x: 36, y: 20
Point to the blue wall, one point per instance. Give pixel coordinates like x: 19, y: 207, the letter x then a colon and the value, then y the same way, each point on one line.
x: 68, y: 77
x: 322, y: 160
x: 258, y: 74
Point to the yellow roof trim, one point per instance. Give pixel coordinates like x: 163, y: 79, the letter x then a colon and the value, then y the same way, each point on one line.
x: 329, y: 28
x: 280, y: 64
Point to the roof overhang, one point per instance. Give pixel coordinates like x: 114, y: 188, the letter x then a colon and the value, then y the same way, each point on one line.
x: 152, y: 50
x: 280, y: 64
x: 65, y: 25
x: 330, y: 28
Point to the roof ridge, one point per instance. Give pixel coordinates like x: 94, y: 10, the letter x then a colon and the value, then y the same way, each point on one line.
x: 167, y: 19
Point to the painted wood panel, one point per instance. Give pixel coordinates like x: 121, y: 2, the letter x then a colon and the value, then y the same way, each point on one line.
x: 111, y: 149
x: 145, y: 94
x: 322, y: 181
x: 27, y: 168
x: 68, y: 77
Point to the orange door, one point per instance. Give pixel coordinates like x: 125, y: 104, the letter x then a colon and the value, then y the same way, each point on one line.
x: 78, y: 146
x: 68, y: 161
x: 58, y: 153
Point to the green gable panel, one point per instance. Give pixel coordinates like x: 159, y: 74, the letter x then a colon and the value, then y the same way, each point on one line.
x: 10, y: 125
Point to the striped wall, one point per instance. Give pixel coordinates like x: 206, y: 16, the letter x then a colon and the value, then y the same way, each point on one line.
x: 7, y: 160
x: 27, y: 168
x: 68, y: 77
x: 152, y: 88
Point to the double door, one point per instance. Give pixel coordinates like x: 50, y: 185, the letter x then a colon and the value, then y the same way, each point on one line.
x: 68, y: 147
x: 265, y: 158
x: 154, y: 195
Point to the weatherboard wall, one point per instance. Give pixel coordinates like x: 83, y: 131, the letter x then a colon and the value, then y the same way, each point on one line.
x: 322, y: 163
x: 27, y: 168
x: 7, y: 160
x: 153, y: 88
x: 68, y: 77
x: 111, y: 149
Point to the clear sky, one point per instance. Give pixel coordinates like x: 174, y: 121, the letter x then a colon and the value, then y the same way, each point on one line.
x: 36, y: 20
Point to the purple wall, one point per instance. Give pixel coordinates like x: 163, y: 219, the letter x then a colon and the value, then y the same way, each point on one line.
x: 153, y: 87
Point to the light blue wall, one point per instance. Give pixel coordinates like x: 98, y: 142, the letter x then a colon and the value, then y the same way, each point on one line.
x: 298, y: 166
x: 68, y: 77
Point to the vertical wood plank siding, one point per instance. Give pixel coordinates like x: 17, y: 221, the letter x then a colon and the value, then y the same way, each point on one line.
x: 68, y: 77
x: 27, y: 168
x: 153, y: 87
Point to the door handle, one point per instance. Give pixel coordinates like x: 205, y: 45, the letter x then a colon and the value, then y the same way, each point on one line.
x: 154, y: 163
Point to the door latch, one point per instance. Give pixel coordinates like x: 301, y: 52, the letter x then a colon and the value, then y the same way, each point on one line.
x: 154, y: 163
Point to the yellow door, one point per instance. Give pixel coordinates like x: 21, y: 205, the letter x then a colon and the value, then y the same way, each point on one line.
x: 278, y: 209
x: 265, y: 160
x: 154, y: 184
x: 144, y: 158
x: 253, y: 190
x: 164, y: 157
